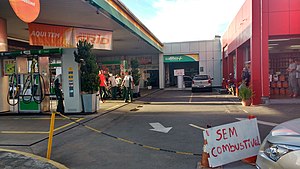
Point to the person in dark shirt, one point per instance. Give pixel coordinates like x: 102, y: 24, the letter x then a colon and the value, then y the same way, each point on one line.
x: 246, y: 74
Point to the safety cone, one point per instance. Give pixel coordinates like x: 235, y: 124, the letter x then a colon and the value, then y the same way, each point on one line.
x: 250, y: 160
x: 204, y: 159
x: 204, y: 164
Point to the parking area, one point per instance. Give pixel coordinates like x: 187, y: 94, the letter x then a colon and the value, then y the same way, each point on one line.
x: 124, y: 134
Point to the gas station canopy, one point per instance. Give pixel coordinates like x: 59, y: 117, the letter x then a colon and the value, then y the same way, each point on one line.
x: 129, y: 37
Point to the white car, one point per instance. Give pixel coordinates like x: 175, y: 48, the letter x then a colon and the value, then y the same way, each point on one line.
x: 281, y: 148
x: 202, y: 82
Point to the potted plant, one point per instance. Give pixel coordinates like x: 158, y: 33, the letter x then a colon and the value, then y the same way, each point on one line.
x: 89, y: 79
x: 246, y: 94
x: 149, y: 86
x: 136, y: 77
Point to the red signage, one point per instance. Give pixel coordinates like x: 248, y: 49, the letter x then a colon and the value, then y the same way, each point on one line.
x: 50, y: 35
x: 26, y: 10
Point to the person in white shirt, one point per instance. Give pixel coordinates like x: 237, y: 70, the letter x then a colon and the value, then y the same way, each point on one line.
x: 119, y: 83
x: 113, y: 86
x: 128, y: 86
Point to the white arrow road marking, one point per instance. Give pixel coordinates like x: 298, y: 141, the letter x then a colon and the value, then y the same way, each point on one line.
x: 197, y: 127
x: 160, y: 128
x: 261, y: 122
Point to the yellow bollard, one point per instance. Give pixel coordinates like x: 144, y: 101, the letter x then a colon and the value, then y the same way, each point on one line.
x: 51, y: 135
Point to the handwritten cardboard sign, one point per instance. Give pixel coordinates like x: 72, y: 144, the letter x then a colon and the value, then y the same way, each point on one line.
x: 232, y: 142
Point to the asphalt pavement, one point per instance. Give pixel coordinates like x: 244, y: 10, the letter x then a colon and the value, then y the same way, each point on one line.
x: 121, y: 134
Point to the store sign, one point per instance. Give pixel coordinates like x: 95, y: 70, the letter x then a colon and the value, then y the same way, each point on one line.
x: 181, y: 58
x: 68, y: 37
x: 232, y: 142
x: 26, y: 10
x: 99, y: 39
x: 49, y: 35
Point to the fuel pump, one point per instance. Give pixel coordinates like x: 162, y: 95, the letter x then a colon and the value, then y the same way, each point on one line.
x: 33, y: 92
x: 25, y: 76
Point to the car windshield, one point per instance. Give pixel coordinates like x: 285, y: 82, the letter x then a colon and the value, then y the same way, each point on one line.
x: 201, y: 77
x: 187, y: 78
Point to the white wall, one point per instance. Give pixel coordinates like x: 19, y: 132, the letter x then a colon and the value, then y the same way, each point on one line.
x: 209, y: 56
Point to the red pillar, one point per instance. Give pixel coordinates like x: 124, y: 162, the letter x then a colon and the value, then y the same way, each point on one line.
x: 239, y: 65
x: 255, y: 52
x: 265, y: 54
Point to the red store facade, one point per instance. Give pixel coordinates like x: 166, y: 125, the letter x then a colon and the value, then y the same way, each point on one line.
x: 267, y: 33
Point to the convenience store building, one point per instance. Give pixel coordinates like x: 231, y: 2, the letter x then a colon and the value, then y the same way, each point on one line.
x: 267, y: 33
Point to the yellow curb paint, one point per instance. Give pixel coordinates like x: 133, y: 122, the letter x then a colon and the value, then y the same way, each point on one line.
x: 127, y: 141
x: 150, y: 147
x: 184, y: 153
x: 56, y: 164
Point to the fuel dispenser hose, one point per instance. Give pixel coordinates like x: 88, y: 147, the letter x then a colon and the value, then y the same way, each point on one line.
x: 16, y: 93
x: 30, y: 82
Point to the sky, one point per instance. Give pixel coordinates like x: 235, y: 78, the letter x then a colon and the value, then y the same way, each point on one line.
x: 185, y: 20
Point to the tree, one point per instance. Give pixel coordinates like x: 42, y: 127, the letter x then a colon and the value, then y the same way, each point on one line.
x: 88, y: 67
x: 135, y: 71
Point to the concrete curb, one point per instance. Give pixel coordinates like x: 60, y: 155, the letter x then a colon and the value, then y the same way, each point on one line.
x: 39, y: 161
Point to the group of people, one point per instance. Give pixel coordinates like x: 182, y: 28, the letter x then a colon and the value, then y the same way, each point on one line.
x: 115, y: 86
x: 294, y: 77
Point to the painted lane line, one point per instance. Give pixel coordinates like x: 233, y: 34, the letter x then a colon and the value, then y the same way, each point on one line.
x: 190, y: 101
x: 39, y: 132
x: 197, y: 127
x: 42, y: 118
x: 245, y: 111
x: 24, y: 132
x: 114, y: 107
x: 261, y: 122
x: 64, y: 126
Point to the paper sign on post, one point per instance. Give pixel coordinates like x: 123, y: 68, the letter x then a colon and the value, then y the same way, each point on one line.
x: 232, y: 142
x: 178, y: 72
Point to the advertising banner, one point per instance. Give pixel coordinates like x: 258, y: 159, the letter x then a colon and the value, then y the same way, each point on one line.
x: 232, y: 142
x: 26, y: 10
x: 100, y: 39
x: 49, y: 35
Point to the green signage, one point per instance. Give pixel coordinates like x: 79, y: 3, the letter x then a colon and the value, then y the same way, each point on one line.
x: 32, y: 52
x: 181, y: 58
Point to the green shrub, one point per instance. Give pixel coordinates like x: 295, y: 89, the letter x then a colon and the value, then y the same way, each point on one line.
x: 88, y: 67
x: 245, y: 93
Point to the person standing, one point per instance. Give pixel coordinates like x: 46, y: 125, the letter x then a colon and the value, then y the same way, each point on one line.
x: 128, y: 85
x: 298, y: 76
x: 292, y: 78
x: 113, y: 86
x: 246, y: 74
x: 103, y: 84
x: 119, y: 83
